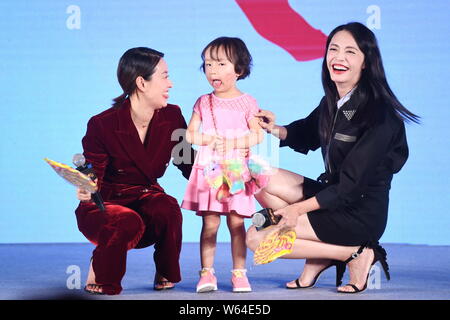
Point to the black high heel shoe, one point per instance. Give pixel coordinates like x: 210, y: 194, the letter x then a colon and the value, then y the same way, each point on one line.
x: 340, y: 270
x: 379, y: 255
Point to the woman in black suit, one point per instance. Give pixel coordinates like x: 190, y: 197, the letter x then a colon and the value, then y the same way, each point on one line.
x: 359, y: 126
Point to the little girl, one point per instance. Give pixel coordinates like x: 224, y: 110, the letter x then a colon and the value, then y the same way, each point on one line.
x: 229, y: 127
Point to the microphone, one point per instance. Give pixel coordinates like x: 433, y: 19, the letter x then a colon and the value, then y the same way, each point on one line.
x: 81, y: 165
x: 264, y: 218
x: 258, y: 220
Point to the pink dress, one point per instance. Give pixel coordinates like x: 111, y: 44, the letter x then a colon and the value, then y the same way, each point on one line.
x: 231, y: 119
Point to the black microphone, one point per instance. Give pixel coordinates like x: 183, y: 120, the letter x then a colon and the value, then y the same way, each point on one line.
x: 81, y: 165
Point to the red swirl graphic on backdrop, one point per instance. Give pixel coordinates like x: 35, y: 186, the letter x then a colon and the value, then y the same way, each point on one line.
x: 277, y: 22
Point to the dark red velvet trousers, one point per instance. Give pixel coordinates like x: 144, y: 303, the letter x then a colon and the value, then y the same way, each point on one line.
x: 153, y: 218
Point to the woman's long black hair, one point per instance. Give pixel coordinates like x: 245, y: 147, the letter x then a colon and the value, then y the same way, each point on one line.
x: 372, y: 93
x: 135, y: 62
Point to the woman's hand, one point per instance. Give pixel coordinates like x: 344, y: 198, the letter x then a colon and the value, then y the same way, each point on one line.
x: 267, y: 123
x: 83, y: 195
x: 266, y: 120
x: 289, y: 215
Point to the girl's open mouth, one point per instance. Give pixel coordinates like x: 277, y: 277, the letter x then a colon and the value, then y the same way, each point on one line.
x: 216, y: 83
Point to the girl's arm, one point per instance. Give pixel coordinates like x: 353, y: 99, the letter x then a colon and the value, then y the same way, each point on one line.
x: 193, y: 134
x: 255, y: 137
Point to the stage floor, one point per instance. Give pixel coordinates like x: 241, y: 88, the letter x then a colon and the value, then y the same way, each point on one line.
x: 50, y: 271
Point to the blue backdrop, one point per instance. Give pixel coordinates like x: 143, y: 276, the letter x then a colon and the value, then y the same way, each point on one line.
x: 58, y: 64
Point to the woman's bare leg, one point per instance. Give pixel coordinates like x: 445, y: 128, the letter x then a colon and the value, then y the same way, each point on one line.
x: 307, y: 246
x: 304, y: 249
x: 284, y: 188
x: 91, y: 275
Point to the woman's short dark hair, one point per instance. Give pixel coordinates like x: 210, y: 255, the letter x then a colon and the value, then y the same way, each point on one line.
x: 372, y: 90
x: 135, y: 62
x: 235, y: 50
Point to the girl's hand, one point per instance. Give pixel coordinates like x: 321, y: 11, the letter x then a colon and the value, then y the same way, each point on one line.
x: 243, y: 153
x: 266, y: 120
x: 219, y: 145
x: 222, y: 145
x: 213, y: 142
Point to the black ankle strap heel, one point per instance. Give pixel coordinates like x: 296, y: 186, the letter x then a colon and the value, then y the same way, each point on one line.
x: 379, y: 255
x: 340, y: 270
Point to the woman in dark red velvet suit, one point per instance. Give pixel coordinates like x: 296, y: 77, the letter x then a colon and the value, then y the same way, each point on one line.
x: 130, y: 146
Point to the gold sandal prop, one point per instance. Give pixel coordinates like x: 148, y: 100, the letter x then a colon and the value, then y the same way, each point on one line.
x: 277, y: 244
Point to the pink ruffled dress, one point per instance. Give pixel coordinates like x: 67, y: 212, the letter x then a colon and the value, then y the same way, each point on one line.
x: 229, y: 118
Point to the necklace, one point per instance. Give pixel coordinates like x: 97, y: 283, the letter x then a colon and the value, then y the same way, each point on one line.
x: 141, y: 124
x: 138, y: 122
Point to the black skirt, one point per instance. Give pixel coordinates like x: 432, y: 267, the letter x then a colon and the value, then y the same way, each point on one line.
x: 359, y: 223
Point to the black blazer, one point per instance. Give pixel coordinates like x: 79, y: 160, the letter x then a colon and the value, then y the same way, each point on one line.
x: 357, y: 159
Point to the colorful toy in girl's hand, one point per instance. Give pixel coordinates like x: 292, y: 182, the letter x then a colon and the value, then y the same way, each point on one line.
x: 232, y: 176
